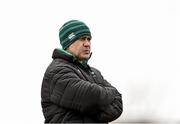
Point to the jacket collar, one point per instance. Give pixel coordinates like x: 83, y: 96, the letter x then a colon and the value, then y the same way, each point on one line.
x: 60, y: 53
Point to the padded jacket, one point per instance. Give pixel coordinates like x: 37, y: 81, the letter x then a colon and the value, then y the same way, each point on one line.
x: 72, y: 92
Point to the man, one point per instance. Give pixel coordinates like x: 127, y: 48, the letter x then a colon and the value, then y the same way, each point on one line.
x: 72, y: 91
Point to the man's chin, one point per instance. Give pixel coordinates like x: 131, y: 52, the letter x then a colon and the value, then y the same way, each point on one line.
x: 85, y: 57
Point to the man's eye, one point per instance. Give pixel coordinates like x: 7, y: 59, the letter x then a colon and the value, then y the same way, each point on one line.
x: 88, y: 38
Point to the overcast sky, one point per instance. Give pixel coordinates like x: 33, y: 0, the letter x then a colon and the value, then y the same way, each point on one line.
x: 135, y: 44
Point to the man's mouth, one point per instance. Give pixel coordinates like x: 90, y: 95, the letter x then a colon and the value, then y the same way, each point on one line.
x: 87, y: 51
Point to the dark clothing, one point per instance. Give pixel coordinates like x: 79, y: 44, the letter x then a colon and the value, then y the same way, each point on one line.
x: 75, y: 92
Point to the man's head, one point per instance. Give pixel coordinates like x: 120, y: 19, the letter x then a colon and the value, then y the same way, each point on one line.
x: 75, y: 37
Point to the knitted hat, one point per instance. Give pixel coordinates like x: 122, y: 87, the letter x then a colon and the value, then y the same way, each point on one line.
x: 71, y: 31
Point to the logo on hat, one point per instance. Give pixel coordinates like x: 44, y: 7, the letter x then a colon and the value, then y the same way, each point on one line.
x: 71, y: 36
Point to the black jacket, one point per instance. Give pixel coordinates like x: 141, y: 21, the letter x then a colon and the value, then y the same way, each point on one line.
x: 73, y: 92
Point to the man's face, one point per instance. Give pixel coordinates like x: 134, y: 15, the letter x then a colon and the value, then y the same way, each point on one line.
x: 81, y: 48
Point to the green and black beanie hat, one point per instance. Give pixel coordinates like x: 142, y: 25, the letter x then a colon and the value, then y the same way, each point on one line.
x: 71, y: 31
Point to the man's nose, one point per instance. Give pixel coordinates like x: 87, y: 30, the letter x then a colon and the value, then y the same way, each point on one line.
x: 87, y: 42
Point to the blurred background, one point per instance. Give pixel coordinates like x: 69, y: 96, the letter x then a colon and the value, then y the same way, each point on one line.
x: 135, y: 45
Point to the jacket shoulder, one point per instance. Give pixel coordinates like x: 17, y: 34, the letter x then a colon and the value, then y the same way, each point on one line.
x: 57, y: 65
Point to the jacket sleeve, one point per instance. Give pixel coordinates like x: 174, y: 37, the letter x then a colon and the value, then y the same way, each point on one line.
x: 72, y: 92
x: 111, y: 112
